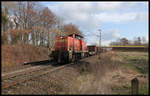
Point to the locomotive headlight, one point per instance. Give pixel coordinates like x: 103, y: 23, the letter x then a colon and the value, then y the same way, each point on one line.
x: 52, y: 50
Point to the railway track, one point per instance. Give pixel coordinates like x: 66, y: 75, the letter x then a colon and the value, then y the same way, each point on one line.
x: 18, y: 77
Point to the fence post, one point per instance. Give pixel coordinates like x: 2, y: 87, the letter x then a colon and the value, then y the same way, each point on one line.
x: 99, y: 56
x: 134, y: 86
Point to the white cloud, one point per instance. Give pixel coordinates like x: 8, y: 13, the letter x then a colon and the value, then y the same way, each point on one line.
x: 109, y: 6
x: 115, y: 17
x: 140, y: 17
x: 79, y: 14
x: 106, y: 42
x: 106, y: 36
x: 87, y: 15
x: 122, y: 17
x: 111, y: 34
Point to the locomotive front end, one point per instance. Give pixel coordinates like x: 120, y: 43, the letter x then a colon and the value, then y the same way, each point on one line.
x: 59, y: 53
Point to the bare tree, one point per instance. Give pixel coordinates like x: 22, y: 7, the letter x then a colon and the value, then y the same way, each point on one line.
x: 124, y: 41
x: 32, y: 23
x: 137, y: 41
x: 71, y: 28
x: 143, y: 40
x: 48, y: 20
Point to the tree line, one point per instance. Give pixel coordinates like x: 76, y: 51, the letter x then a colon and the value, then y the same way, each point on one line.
x: 32, y: 23
x: 135, y: 41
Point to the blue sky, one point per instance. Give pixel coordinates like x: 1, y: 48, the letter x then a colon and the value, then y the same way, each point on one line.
x: 115, y: 19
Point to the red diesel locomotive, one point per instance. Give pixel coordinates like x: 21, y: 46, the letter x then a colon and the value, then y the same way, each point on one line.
x: 69, y: 48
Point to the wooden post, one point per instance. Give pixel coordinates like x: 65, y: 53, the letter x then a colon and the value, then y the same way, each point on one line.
x: 99, y: 57
x: 134, y: 86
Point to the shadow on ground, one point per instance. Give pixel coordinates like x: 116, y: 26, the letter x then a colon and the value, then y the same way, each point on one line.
x: 44, y: 62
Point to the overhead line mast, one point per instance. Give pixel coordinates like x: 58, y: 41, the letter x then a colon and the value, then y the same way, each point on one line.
x: 99, y: 41
x: 100, y: 38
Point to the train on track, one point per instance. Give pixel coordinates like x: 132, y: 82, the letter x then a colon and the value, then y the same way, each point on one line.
x: 71, y: 48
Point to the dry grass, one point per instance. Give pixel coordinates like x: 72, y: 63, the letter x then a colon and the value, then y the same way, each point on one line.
x: 133, y: 64
x: 93, y: 78
x: 108, y: 76
x: 14, y: 56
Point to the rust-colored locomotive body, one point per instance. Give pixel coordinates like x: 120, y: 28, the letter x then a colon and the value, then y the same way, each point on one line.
x: 69, y: 48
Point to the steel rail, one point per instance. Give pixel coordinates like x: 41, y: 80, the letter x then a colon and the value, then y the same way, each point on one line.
x: 13, y: 83
x: 15, y: 74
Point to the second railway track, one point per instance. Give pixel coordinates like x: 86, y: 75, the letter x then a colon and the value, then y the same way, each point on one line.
x: 9, y: 80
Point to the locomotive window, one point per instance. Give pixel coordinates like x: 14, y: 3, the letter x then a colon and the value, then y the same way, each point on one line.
x: 70, y: 35
x: 77, y: 37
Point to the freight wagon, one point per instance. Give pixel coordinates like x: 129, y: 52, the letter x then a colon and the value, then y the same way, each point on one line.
x: 94, y: 50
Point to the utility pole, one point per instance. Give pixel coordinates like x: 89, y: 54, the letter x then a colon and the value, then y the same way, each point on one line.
x: 99, y: 41
x: 100, y: 37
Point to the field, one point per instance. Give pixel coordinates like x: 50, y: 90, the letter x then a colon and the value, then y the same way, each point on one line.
x: 133, y: 64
